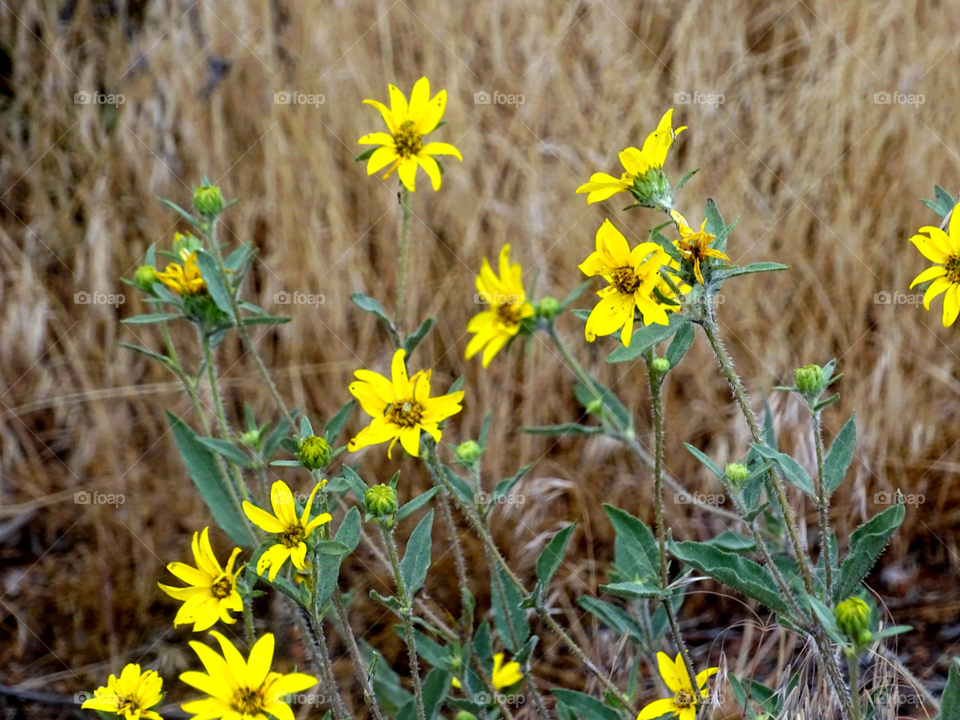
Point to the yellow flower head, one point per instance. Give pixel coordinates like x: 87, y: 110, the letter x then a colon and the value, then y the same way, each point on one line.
x: 292, y: 531
x: 685, y: 700
x: 239, y: 689
x: 213, y: 589
x: 131, y: 696
x: 636, y: 163
x: 695, y: 246
x: 402, y: 148
x: 184, y: 279
x: 508, y: 307
x: 503, y: 675
x: 943, y: 249
x: 401, y: 408
x: 632, y: 274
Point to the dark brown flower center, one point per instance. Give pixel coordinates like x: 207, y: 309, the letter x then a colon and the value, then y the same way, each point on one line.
x: 952, y: 265
x: 222, y: 587
x: 292, y: 536
x: 409, y: 142
x: 248, y: 701
x: 625, y: 280
x: 405, y: 414
x: 684, y: 699
x: 508, y: 314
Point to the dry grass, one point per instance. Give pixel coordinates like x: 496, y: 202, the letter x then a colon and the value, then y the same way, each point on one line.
x: 823, y: 179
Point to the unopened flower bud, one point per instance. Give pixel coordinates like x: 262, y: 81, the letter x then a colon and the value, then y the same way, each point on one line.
x: 853, y: 619
x: 251, y: 438
x: 548, y: 307
x: 736, y: 473
x: 652, y: 190
x: 381, y: 501
x: 594, y: 406
x: 661, y: 365
x: 208, y: 200
x: 469, y: 452
x: 464, y: 715
x: 809, y: 380
x: 314, y: 452
x: 145, y: 277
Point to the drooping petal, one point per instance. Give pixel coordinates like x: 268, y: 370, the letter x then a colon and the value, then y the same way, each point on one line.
x: 430, y: 166
x: 441, y: 148
x: 929, y: 274
x: 385, y: 112
x: 190, y: 575
x: 951, y: 305
x: 381, y: 158
x: 410, y: 439
x: 657, y: 708
x: 261, y: 518
x: 928, y: 249
x: 705, y: 674
x: 407, y: 169
x: 936, y: 287
x: 493, y: 347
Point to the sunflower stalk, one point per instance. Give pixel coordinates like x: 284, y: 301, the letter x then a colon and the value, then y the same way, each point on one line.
x: 823, y: 506
x: 404, y: 233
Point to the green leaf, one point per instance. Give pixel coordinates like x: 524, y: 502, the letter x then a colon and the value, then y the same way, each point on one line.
x: 685, y: 178
x: 485, y: 430
x: 387, y: 685
x: 827, y: 619
x: 153, y: 318
x: 416, y: 558
x: 716, y: 227
x: 460, y: 486
x: 582, y: 314
x: 306, y: 427
x: 412, y: 341
x: 203, y: 470
x: 681, y: 343
x: 792, y: 470
x: 183, y: 213
x: 584, y: 706
x: 734, y: 542
x: 562, y: 429
x: 504, y: 487
x: 368, y: 304
x: 552, y: 556
x: 867, y: 543
x: 348, y: 535
x: 214, y: 281
x: 758, y: 267
x: 667, y: 245
x: 613, y: 617
x: 840, y: 456
x: 266, y: 320
x: 229, y: 451
x: 610, y: 401
x: 574, y: 294
x: 645, y: 338
x: 509, y: 614
x: 636, y: 551
x: 633, y: 590
x: 335, y: 425
x: 705, y: 461
x: 739, y: 573
x: 235, y: 260
x: 357, y: 484
x: 417, y: 503
x: 366, y: 154
x: 145, y: 351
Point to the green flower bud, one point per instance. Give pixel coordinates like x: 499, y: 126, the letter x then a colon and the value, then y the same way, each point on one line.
x: 145, y: 277
x: 208, y: 200
x: 853, y: 619
x: 661, y: 365
x: 594, y: 406
x: 381, y: 501
x: 464, y: 715
x: 652, y: 190
x: 251, y: 438
x: 809, y: 380
x: 314, y: 452
x: 186, y: 244
x: 548, y: 307
x: 736, y: 473
x: 469, y: 452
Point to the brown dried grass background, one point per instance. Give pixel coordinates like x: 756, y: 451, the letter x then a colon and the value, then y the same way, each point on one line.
x: 823, y: 179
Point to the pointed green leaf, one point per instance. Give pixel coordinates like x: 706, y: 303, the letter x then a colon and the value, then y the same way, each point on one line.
x: 214, y: 281
x: 645, y: 338
x: 416, y: 558
x: 636, y: 551
x: 153, y: 318
x: 792, y: 470
x: 586, y: 707
x: 867, y: 543
x: 418, y: 502
x: 335, y: 424
x: 552, y: 556
x: 840, y: 456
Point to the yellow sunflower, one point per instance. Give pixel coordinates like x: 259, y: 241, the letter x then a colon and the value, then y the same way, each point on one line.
x: 508, y: 307
x: 292, y: 531
x: 632, y: 275
x: 131, y: 696
x: 504, y: 675
x: 241, y: 689
x: 636, y: 163
x: 695, y: 246
x: 401, y: 408
x: 685, y: 701
x: 403, y: 146
x: 184, y: 279
x: 213, y: 589
x: 943, y: 249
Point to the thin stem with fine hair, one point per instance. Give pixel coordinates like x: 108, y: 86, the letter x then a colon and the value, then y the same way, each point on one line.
x: 823, y: 507
x: 404, y: 232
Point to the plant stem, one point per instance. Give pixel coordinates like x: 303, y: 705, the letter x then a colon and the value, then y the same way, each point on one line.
x: 248, y: 620
x: 656, y: 401
x: 476, y: 522
x: 404, y: 254
x: 406, y: 615
x: 459, y: 561
x: 852, y: 661
x: 823, y: 506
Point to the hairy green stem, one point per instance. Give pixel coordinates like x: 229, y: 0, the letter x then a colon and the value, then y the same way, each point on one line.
x: 461, y: 564
x: 320, y: 654
x: 406, y: 615
x: 823, y: 507
x: 853, y: 660
x: 248, y: 621
x: 404, y: 254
